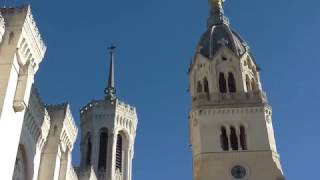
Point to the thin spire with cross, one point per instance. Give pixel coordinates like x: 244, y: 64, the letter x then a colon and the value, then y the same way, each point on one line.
x: 110, y: 90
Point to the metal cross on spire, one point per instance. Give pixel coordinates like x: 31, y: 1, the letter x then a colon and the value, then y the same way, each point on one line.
x: 110, y: 91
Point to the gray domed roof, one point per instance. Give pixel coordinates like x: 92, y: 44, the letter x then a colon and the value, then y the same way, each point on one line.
x: 221, y: 36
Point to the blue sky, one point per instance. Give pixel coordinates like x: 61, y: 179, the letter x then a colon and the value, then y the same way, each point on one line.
x: 156, y: 41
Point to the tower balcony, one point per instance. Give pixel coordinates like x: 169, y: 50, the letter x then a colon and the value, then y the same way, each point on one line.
x: 251, y: 97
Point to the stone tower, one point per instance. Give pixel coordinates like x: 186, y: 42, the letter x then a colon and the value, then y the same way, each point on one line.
x: 108, y: 130
x: 231, y: 129
x: 21, y: 52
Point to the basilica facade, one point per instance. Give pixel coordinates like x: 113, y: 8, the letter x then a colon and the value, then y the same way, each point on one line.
x: 231, y: 131
x: 42, y: 136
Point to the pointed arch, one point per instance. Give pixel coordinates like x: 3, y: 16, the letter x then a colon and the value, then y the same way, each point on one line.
x: 234, y: 138
x: 222, y: 83
x: 103, y: 149
x: 231, y: 83
x: 206, y: 85
x: 224, y: 139
x: 89, y: 150
x: 119, y: 152
x: 248, y: 84
x: 243, y: 138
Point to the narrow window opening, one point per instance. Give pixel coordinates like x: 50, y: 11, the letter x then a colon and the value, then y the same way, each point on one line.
x: 89, y: 149
x: 248, y: 83
x: 222, y: 83
x: 206, y: 85
x: 233, y: 139
x: 224, y: 139
x: 243, y: 138
x: 231, y: 83
x: 119, y: 153
x: 102, y: 164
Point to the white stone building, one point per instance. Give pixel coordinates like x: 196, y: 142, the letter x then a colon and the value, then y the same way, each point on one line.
x: 231, y: 129
x: 42, y: 136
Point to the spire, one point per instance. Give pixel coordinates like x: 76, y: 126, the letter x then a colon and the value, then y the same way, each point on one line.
x: 110, y: 91
x: 217, y: 13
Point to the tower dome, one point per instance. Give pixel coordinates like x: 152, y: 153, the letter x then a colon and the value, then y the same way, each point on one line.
x: 218, y: 36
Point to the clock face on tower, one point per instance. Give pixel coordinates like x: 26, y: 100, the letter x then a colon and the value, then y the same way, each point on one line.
x: 238, y: 172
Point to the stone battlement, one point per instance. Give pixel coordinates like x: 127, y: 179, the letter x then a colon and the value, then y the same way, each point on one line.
x: 31, y: 45
x: 118, y: 104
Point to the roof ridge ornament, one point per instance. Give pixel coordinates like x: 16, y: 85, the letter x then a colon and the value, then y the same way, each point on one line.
x: 217, y: 13
x: 110, y: 90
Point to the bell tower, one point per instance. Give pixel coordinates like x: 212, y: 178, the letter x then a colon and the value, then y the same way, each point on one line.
x: 108, y: 134
x: 231, y: 129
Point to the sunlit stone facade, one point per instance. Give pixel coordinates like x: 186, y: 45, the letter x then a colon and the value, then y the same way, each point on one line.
x: 231, y: 129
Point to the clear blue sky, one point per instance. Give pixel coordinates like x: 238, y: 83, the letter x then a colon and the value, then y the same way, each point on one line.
x: 156, y: 41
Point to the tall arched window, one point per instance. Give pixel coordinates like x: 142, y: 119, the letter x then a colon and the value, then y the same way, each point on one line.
x: 206, y: 85
x: 243, y: 138
x: 102, y: 163
x: 119, y: 153
x: 222, y: 83
x: 231, y: 83
x: 224, y: 139
x: 199, y: 87
x: 248, y: 83
x: 89, y: 149
x: 234, y: 139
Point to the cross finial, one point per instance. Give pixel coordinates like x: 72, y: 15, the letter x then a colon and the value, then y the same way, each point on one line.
x: 217, y: 13
x: 110, y: 91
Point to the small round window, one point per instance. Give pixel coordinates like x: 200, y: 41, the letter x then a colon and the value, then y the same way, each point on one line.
x: 238, y: 172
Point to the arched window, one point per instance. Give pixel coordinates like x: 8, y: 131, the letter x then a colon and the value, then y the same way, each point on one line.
x: 248, y: 83
x: 89, y: 150
x: 102, y: 163
x: 231, y: 83
x: 119, y: 153
x: 243, y: 138
x: 206, y: 85
x: 222, y: 83
x: 234, y: 139
x: 199, y: 87
x: 224, y: 139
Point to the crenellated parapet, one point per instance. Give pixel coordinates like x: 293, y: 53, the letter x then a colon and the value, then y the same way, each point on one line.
x: 63, y: 121
x: 22, y: 33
